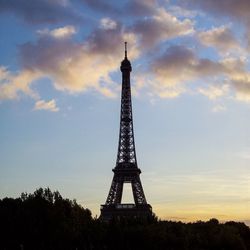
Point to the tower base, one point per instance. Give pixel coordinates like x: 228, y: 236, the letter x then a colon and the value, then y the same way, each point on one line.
x: 130, y: 211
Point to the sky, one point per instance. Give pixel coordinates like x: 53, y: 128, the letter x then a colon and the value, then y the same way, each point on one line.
x: 60, y: 84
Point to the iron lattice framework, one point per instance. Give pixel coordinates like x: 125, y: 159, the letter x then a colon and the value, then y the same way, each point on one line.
x: 126, y: 169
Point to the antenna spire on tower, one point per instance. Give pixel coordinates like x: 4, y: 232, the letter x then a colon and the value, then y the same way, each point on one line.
x: 125, y: 49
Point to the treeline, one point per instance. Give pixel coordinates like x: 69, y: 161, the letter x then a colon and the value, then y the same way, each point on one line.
x: 44, y: 220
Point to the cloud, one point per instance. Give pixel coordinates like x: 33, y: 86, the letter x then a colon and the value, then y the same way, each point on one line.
x: 49, y: 106
x: 161, y: 26
x: 79, y: 66
x: 168, y: 92
x: 233, y: 10
x: 130, y: 8
x: 140, y: 8
x: 76, y: 66
x: 239, y: 9
x: 247, y: 38
x: 221, y: 38
x: 109, y: 43
x: 42, y: 11
x: 242, y: 87
x: 213, y: 92
x: 107, y: 23
x: 59, y: 33
x: 179, y: 66
x: 239, y: 77
x: 101, y: 6
x: 179, y: 11
x: 14, y: 84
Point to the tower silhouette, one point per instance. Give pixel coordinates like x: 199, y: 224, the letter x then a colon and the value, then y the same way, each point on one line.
x: 126, y: 169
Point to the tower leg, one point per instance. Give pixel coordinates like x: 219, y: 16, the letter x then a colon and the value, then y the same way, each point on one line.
x: 115, y: 192
x: 138, y: 193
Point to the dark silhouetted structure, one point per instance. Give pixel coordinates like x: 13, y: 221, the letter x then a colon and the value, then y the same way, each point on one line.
x: 45, y: 220
x: 126, y: 169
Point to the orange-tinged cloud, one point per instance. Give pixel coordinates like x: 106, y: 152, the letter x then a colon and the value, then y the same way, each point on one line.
x: 180, y: 66
x: 220, y: 38
x: 11, y: 85
x: 49, y: 105
x: 213, y: 91
x: 73, y: 67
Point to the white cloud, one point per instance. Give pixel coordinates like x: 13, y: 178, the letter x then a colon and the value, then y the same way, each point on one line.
x: 59, y: 33
x: 49, y: 105
x: 213, y: 92
x: 179, y: 11
x: 108, y: 24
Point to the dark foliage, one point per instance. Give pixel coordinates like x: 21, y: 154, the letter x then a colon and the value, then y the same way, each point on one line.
x: 45, y: 220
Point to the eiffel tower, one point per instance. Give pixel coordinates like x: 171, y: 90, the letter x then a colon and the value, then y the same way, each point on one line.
x: 126, y: 169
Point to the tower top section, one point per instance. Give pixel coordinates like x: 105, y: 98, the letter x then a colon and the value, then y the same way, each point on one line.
x: 125, y: 64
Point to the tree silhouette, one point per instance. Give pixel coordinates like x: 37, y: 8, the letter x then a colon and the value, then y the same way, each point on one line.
x: 45, y: 220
